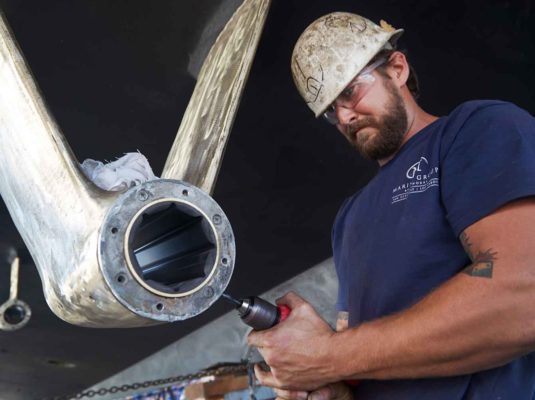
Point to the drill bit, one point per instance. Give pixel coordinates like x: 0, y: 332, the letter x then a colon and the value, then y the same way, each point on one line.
x: 237, y: 303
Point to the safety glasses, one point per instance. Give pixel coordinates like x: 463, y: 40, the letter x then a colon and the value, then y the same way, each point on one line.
x: 354, y: 92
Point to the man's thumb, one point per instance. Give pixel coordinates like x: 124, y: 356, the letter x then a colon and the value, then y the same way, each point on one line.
x: 323, y: 393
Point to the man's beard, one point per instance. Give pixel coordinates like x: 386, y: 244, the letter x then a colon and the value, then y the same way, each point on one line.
x: 391, y: 129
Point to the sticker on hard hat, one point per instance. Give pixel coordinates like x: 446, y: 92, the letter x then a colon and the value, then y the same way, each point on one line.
x: 313, y: 85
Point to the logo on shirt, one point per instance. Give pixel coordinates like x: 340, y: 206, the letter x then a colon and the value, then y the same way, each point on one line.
x: 420, y: 177
x: 416, y: 167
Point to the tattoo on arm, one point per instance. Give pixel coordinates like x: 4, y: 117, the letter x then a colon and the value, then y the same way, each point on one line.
x: 465, y: 241
x: 482, y: 263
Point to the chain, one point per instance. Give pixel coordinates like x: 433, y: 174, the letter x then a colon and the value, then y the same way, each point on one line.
x: 217, y: 370
x: 251, y: 378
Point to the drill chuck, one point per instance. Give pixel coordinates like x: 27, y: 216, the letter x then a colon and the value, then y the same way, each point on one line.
x: 258, y: 313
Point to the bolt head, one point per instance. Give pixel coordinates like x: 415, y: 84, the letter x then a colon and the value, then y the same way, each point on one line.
x: 143, y: 195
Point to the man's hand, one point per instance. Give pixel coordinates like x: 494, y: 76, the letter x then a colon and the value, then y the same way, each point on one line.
x: 333, y: 391
x: 297, y: 349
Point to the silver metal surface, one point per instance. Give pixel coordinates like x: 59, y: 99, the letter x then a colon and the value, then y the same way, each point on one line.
x: 244, y: 307
x: 198, y: 149
x: 59, y: 213
x: 14, y: 279
x: 56, y: 210
x: 13, y: 303
x: 132, y: 292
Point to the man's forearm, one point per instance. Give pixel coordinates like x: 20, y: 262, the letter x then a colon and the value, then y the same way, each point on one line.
x: 466, y: 325
x: 481, y: 318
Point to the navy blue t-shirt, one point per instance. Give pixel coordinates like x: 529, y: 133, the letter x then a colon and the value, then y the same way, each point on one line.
x: 398, y: 238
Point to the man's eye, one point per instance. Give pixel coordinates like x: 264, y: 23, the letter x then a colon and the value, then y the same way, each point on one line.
x: 348, y: 91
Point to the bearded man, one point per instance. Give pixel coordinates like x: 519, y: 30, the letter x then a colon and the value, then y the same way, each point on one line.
x: 435, y: 256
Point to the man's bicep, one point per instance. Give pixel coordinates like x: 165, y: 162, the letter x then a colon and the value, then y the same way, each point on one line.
x: 504, y: 238
x: 487, y: 163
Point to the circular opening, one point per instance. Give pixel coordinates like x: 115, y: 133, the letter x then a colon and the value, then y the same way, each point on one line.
x: 185, y: 192
x: 159, y: 306
x: 121, y: 278
x: 114, y: 230
x: 224, y: 261
x: 172, y: 248
x: 14, y: 314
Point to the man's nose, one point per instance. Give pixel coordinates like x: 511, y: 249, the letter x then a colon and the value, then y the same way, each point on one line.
x: 346, y: 115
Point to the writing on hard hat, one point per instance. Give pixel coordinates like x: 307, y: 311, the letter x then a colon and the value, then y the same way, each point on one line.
x: 332, y: 51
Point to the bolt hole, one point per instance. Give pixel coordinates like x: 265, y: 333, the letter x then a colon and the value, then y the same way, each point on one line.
x: 159, y: 306
x: 14, y: 314
x: 114, y: 230
x: 121, y: 278
x: 224, y: 261
x: 185, y: 192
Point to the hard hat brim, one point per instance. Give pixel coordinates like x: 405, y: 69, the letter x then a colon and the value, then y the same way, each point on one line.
x: 392, y: 39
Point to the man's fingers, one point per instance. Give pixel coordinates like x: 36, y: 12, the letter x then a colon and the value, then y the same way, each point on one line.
x: 291, y: 394
x: 265, y: 378
x: 256, y: 338
x: 323, y: 393
x: 333, y: 391
x: 291, y: 300
x: 341, y: 390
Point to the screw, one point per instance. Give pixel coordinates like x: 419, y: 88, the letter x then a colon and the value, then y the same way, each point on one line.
x: 217, y: 219
x: 208, y: 291
x: 143, y: 195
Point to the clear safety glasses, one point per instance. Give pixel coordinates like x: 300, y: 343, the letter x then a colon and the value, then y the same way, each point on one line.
x: 354, y: 92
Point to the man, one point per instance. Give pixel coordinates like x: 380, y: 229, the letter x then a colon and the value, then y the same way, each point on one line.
x: 435, y: 256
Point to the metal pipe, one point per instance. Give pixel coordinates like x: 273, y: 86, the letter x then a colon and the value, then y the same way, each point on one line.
x: 54, y: 207
x: 198, y: 148
x: 77, y: 233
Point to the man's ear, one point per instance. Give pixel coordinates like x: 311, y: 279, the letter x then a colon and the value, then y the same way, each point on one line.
x: 398, y: 68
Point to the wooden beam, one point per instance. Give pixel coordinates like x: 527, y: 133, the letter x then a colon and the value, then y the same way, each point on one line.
x: 216, y: 389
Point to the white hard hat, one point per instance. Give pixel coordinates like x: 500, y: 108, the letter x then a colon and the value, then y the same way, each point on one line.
x: 332, y: 51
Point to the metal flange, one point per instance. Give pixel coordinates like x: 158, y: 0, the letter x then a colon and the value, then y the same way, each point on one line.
x: 151, y: 226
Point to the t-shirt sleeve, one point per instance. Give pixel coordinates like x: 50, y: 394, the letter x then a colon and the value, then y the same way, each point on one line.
x: 490, y: 162
x: 341, y: 300
x: 336, y: 240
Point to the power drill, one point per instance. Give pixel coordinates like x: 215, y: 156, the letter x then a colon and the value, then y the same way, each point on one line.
x: 258, y: 313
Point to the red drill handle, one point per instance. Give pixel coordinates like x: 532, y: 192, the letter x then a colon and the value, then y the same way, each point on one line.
x: 284, y: 312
